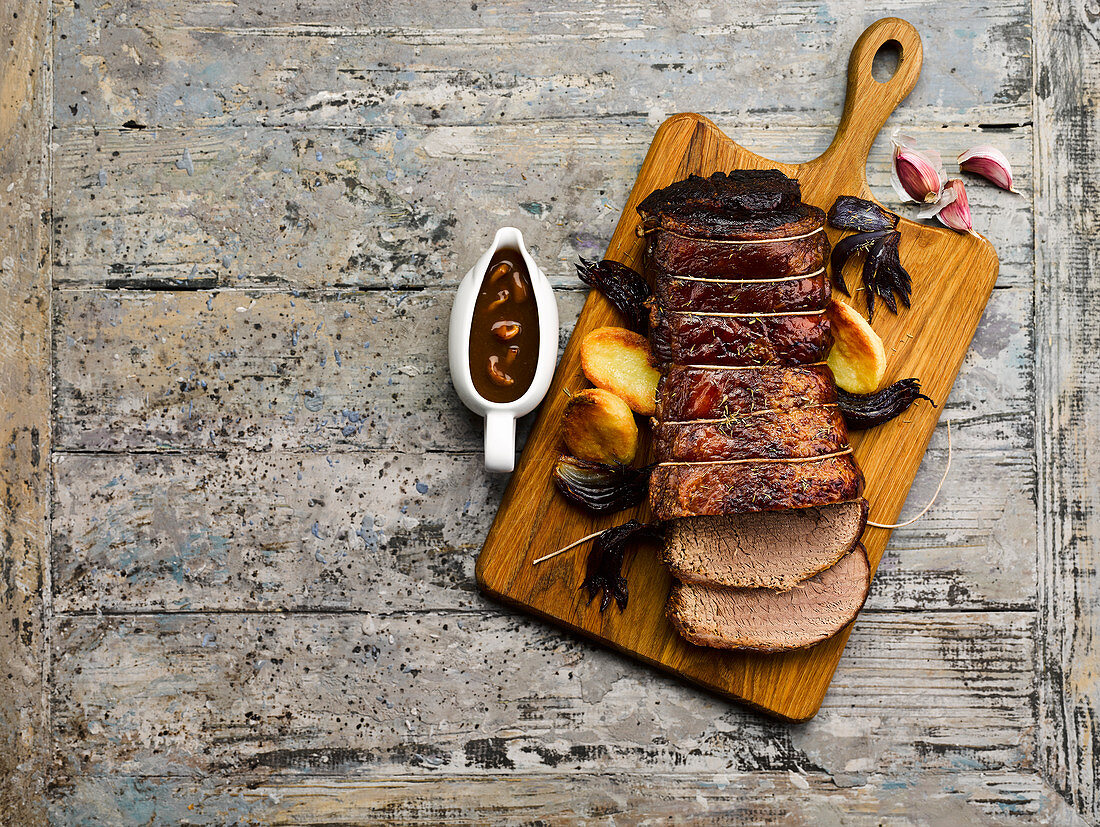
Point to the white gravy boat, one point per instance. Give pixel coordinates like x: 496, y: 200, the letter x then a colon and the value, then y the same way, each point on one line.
x: 500, y: 417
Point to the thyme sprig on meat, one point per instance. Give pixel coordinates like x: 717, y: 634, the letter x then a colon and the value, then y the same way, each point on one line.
x: 877, y: 240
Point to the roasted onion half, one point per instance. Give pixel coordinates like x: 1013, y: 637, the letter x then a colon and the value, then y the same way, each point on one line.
x: 598, y: 487
x: 849, y: 212
x: 877, y: 240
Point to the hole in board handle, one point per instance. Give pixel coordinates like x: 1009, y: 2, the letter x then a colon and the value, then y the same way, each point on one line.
x: 884, y: 65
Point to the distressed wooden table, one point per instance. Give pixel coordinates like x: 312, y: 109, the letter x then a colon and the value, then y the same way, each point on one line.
x: 241, y: 502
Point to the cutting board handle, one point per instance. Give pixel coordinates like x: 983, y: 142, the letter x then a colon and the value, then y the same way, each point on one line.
x: 868, y: 103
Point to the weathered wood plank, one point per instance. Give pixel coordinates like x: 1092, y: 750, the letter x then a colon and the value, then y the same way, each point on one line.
x: 399, y: 206
x: 260, y: 370
x: 376, y: 693
x: 963, y: 797
x: 1067, y: 406
x: 271, y: 531
x: 930, y: 708
x: 280, y: 531
x: 25, y: 85
x: 167, y: 63
x: 256, y: 369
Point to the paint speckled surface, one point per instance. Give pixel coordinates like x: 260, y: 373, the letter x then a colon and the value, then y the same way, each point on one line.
x: 242, y: 503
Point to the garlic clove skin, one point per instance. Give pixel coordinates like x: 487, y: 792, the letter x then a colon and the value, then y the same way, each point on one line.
x: 990, y: 163
x: 916, y: 175
x: 956, y: 214
x: 948, y: 196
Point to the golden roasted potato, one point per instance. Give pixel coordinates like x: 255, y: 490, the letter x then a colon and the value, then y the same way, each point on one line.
x: 599, y: 426
x: 857, y: 358
x: 620, y: 361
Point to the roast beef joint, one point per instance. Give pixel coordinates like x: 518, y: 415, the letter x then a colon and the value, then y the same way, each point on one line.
x: 756, y: 495
x: 755, y: 482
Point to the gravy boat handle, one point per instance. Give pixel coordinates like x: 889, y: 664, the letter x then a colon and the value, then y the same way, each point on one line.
x: 500, y: 442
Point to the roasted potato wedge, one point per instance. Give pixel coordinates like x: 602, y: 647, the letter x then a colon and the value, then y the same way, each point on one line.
x: 857, y: 358
x: 620, y: 361
x: 598, y: 426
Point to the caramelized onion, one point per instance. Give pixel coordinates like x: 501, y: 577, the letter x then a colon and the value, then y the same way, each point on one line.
x: 623, y: 287
x: 605, y: 561
x: 883, y: 275
x: 860, y: 215
x: 866, y: 410
x: 598, y: 487
x: 846, y: 248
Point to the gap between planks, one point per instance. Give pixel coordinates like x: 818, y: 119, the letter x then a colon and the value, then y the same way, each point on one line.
x: 624, y: 118
x: 487, y: 609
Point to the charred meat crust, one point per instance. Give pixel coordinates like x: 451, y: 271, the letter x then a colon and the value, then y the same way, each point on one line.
x: 764, y: 620
x: 722, y: 199
x: 691, y: 339
x: 805, y: 293
x: 799, y: 252
x: 755, y: 550
x: 754, y: 478
x: 802, y: 432
x: 700, y: 490
x: 716, y: 228
x: 744, y: 206
x: 712, y: 393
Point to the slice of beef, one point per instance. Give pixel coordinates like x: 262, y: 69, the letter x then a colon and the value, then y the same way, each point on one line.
x: 721, y: 489
x: 714, y: 393
x: 766, y: 549
x: 697, y: 339
x: 765, y: 620
x: 798, y: 249
x: 714, y: 205
x: 801, y: 432
x: 722, y: 296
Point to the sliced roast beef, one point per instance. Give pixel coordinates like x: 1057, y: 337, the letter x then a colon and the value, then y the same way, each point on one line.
x: 765, y: 620
x: 762, y: 296
x: 796, y: 250
x: 720, y: 489
x: 767, y: 549
x: 699, y: 339
x: 734, y: 229
x: 715, y: 393
x: 802, y: 432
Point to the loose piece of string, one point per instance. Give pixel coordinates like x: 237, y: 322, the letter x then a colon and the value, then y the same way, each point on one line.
x: 574, y: 544
x: 934, y: 495
x: 922, y: 512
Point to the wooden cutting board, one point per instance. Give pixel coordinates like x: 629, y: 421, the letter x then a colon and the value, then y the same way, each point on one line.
x: 953, y: 275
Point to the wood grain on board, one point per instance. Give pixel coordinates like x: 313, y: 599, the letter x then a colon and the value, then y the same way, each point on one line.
x: 953, y: 276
